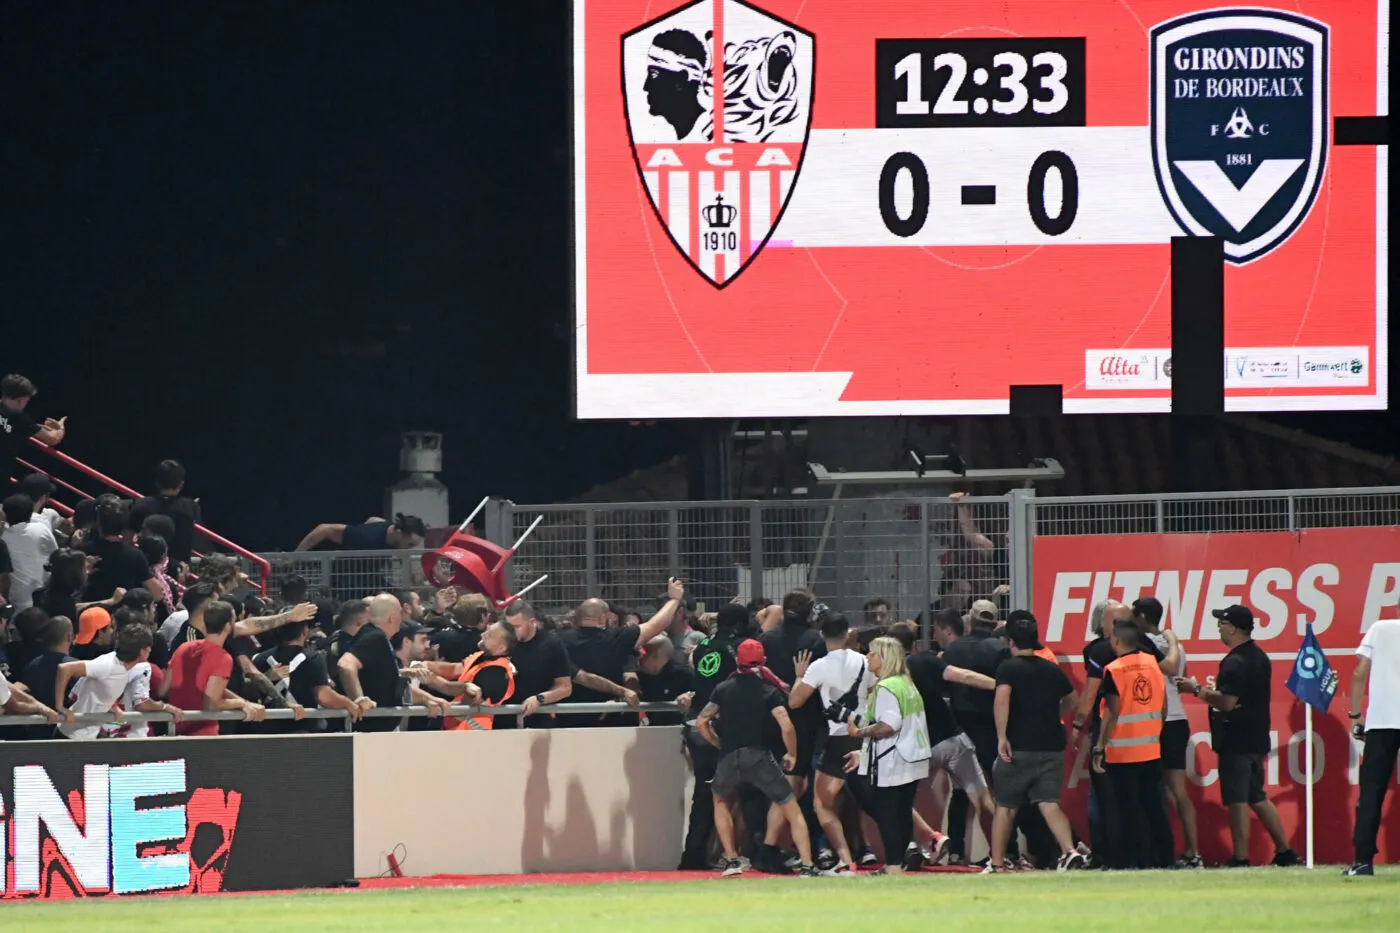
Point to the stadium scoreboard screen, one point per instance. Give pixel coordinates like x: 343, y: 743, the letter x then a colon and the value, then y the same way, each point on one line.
x: 817, y: 207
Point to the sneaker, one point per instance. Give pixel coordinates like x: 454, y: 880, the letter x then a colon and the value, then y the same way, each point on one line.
x: 1190, y: 861
x: 1360, y: 869
x: 791, y: 860
x: 1237, y: 863
x: 826, y: 860
x: 981, y: 862
x: 867, y: 858
x: 990, y: 869
x: 1021, y: 863
x: 843, y: 870
x: 1071, y: 861
x: 1286, y: 859
x: 732, y: 868
x: 807, y: 871
x: 939, y: 855
x: 957, y: 860
x: 1083, y: 850
x: 913, y: 857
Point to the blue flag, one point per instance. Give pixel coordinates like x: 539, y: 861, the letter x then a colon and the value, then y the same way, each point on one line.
x: 1312, y: 680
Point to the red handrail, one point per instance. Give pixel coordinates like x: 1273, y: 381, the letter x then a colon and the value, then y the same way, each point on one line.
x: 264, y: 568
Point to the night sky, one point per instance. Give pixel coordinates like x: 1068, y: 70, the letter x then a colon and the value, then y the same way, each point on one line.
x: 265, y: 238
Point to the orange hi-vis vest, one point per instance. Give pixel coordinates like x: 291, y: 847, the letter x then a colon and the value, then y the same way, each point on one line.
x: 1137, y: 733
x: 1047, y: 654
x: 470, y: 670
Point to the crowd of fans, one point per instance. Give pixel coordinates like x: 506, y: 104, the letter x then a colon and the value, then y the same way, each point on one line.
x: 801, y: 728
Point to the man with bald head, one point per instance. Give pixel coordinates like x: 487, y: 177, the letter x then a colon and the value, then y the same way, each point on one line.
x: 604, y: 652
x: 370, y: 668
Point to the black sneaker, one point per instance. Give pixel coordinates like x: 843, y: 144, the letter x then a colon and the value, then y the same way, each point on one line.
x: 732, y: 868
x: 827, y: 860
x: 867, y: 858
x: 808, y: 871
x: 1359, y: 870
x: 1287, y: 859
x: 913, y: 857
x: 1237, y: 863
x: 1190, y: 861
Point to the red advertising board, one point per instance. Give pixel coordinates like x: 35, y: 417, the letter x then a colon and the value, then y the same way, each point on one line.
x: 817, y: 207
x: 1339, y: 579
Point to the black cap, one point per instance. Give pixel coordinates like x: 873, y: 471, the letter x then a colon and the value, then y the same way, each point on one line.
x: 1238, y: 616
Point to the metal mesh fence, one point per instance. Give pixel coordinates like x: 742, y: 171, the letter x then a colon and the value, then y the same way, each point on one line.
x: 1285, y: 510
x: 342, y: 575
x: 907, y: 553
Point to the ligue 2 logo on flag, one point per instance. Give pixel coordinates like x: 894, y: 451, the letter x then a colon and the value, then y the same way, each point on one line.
x: 1311, y: 665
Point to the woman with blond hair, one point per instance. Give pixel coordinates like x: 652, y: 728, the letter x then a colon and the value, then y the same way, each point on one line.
x: 895, y: 753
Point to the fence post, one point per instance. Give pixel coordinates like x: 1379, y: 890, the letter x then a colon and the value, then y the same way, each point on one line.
x: 673, y: 541
x: 756, y: 551
x: 925, y: 615
x: 1021, y: 502
x: 590, y: 551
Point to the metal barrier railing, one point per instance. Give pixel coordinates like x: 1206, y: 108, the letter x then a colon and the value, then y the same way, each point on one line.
x: 260, y: 565
x: 388, y: 712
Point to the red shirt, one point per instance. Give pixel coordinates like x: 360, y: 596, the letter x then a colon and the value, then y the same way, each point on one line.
x: 191, y: 666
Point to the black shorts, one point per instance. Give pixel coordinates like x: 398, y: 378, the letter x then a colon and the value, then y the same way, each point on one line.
x: 806, y: 745
x: 1176, y: 739
x: 834, y: 755
x: 1241, y: 778
x: 755, y: 767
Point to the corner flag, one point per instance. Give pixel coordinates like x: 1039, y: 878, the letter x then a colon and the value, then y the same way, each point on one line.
x: 1312, y: 680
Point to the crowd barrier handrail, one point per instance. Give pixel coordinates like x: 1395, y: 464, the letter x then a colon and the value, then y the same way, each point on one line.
x: 264, y: 567
x: 458, y: 711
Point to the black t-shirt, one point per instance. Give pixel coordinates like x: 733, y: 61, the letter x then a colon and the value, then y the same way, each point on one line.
x: 306, y: 676
x: 1037, y: 687
x: 16, y: 427
x: 780, y: 649
x: 40, y: 675
x: 714, y: 661
x: 782, y: 644
x: 538, y: 663
x: 663, y: 687
x: 242, y: 646
x: 185, y: 633
x: 1247, y: 674
x: 455, y: 645
x: 371, y: 536
x: 119, y: 565
x: 184, y: 512
x: 926, y: 670
x: 58, y: 602
x: 746, y: 705
x: 599, y: 651
x: 379, y: 667
x: 981, y: 652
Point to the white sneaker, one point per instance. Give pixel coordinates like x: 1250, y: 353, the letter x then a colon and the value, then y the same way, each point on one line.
x: 1071, y: 861
x: 939, y: 855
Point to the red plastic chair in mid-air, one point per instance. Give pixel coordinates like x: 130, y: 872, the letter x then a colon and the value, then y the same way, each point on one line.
x: 477, y: 565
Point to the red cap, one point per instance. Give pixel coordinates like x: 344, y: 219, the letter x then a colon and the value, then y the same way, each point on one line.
x: 750, y: 653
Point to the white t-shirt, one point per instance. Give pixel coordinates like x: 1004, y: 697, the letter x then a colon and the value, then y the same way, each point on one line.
x: 30, y: 545
x: 831, y: 677
x: 97, y: 692
x: 138, y: 691
x: 1175, y: 710
x: 4, y: 690
x: 1382, y: 645
x: 893, y: 768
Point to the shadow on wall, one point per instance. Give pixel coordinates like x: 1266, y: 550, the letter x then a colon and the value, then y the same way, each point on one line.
x: 574, y: 843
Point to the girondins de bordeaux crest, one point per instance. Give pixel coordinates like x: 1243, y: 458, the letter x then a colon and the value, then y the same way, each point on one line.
x: 1239, y: 124
x: 718, y: 95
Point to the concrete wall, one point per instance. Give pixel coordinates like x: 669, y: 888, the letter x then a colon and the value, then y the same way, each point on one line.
x: 513, y: 801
